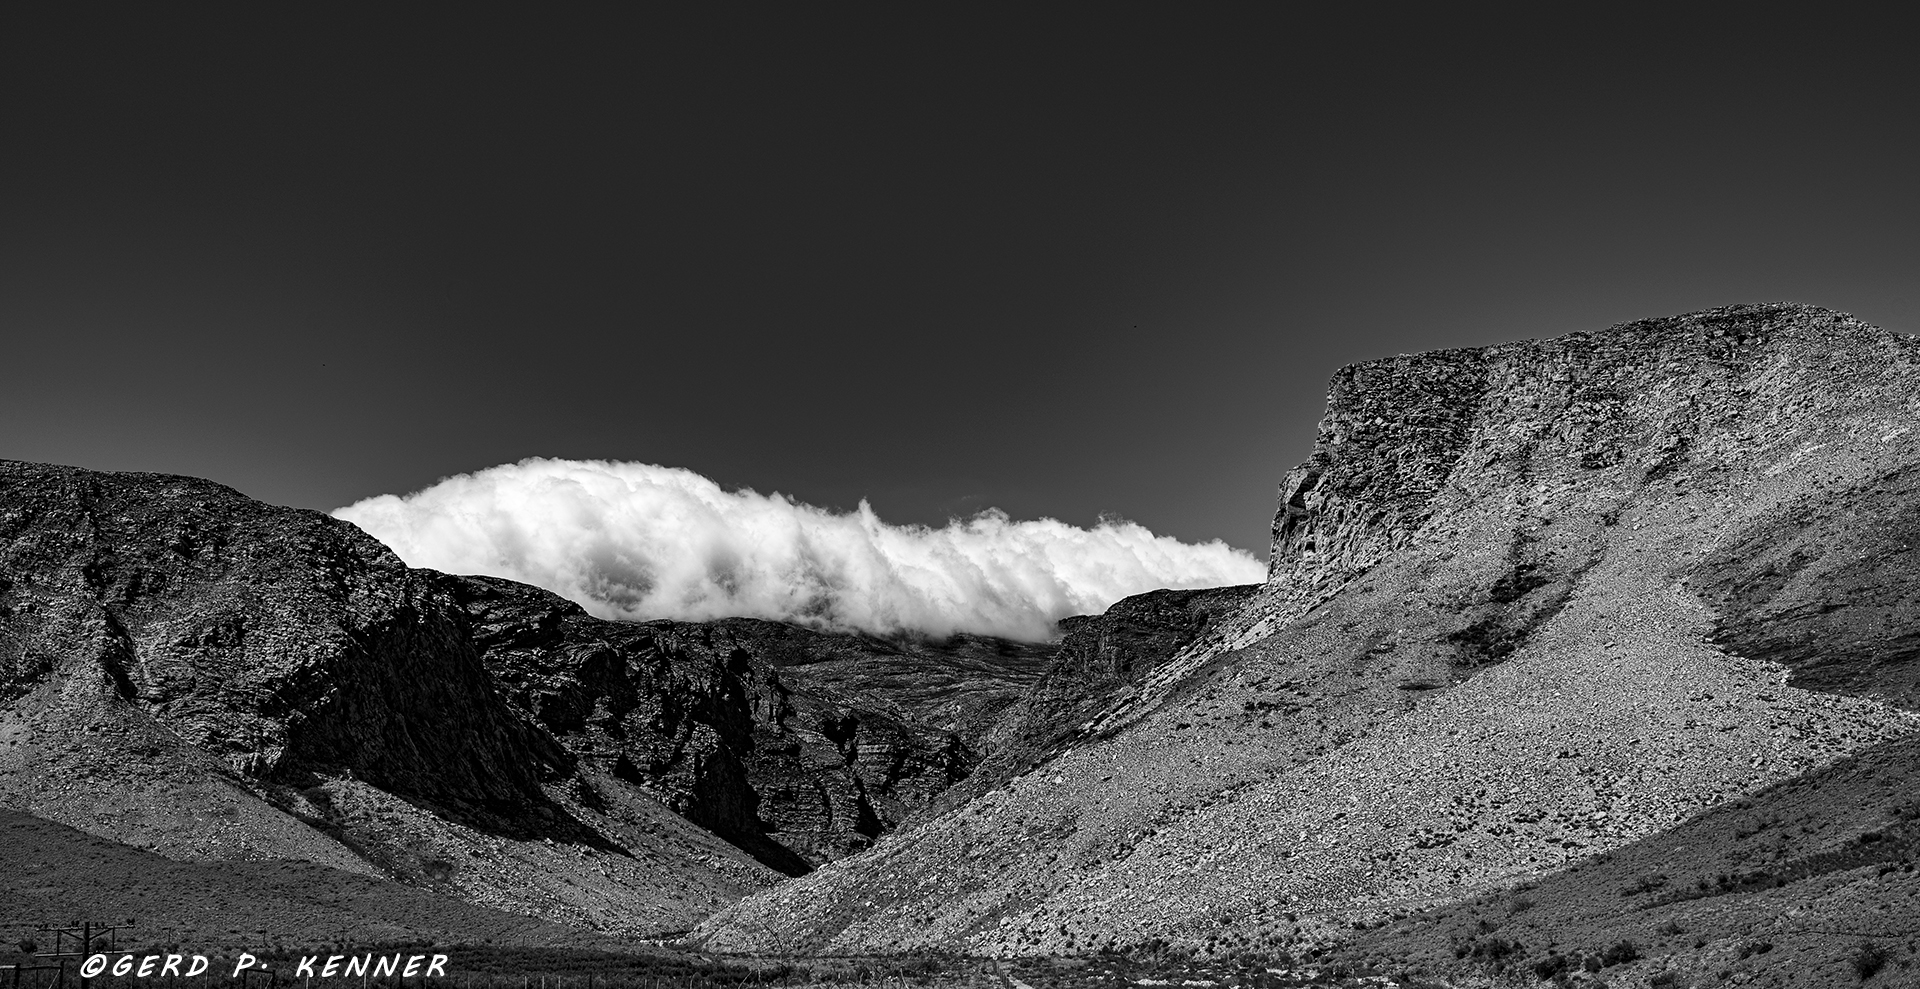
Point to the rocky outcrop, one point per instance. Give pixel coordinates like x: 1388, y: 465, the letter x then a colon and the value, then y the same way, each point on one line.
x: 676, y: 722
x: 1393, y: 434
x: 1528, y: 604
x: 875, y: 730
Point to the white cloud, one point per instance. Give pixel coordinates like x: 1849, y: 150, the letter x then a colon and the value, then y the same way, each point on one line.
x: 639, y: 541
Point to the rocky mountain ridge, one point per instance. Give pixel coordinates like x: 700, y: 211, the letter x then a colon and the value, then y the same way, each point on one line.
x: 1528, y: 604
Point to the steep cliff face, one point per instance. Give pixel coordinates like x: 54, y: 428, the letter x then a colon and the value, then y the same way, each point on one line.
x: 1393, y: 434
x: 875, y: 730
x: 639, y: 707
x: 1528, y: 603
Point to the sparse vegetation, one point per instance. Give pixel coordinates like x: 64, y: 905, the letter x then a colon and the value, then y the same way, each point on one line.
x: 1493, y: 953
x: 1645, y: 884
x: 1868, y: 959
x: 1551, y: 966
x: 1620, y: 953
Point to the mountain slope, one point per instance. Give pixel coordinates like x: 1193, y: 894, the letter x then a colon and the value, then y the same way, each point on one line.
x: 1515, y: 617
x: 55, y: 873
x: 1783, y: 888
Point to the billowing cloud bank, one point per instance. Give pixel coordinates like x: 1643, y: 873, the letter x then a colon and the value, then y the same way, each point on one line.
x: 638, y: 541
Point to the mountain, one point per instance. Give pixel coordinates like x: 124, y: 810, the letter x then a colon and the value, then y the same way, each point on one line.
x: 198, y: 674
x: 1530, y: 607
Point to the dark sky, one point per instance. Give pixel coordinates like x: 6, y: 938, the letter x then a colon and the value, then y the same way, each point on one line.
x: 1057, y: 260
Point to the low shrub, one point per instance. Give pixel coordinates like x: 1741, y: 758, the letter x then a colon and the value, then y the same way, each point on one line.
x: 1550, y: 966
x: 1489, y: 951
x: 1620, y: 953
x: 1645, y: 884
x: 1868, y: 959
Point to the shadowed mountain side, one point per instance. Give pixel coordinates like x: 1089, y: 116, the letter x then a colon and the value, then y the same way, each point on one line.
x: 797, y: 745
x: 876, y: 729
x: 1487, y: 650
x: 55, y: 873
x: 1831, y: 591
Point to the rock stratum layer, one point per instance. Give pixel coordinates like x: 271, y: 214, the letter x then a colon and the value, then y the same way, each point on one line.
x: 192, y: 672
x: 1529, y: 605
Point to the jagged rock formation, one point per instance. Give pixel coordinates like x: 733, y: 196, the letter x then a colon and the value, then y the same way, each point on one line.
x: 798, y: 745
x: 193, y: 672
x: 1527, y: 604
x: 873, y: 730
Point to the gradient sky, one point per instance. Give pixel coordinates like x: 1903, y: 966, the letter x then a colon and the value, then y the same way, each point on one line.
x: 1062, y: 261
